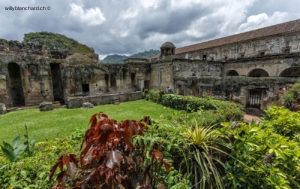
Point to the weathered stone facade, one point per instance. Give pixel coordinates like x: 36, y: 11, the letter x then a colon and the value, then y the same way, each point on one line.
x: 252, y: 68
x: 31, y: 74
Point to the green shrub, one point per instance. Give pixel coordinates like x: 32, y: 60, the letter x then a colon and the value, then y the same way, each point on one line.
x: 283, y: 121
x: 222, y: 110
x: 265, y: 154
x: 167, y: 138
x: 154, y: 95
x: 32, y: 172
x: 292, y: 95
x: 16, y: 148
x: 207, y: 150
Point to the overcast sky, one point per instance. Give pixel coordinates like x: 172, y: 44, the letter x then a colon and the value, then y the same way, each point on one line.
x: 131, y: 26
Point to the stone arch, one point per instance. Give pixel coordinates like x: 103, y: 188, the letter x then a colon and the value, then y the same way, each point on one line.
x: 232, y: 73
x: 15, y: 84
x: 290, y: 72
x: 258, y: 73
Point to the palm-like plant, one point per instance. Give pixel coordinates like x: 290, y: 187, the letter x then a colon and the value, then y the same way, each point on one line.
x: 207, y: 148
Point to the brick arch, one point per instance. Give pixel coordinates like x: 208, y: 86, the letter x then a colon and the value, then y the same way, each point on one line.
x: 232, y: 73
x: 258, y: 73
x: 290, y: 72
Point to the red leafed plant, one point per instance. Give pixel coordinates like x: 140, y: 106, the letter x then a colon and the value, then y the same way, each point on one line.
x: 109, y: 160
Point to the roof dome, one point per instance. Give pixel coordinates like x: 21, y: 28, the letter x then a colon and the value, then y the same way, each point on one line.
x: 167, y: 45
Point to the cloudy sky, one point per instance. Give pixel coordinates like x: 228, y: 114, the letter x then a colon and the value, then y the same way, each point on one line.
x: 131, y: 26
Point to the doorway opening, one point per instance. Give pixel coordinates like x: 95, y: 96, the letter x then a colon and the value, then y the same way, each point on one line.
x: 85, y: 88
x: 57, y: 86
x: 132, y: 77
x: 16, y: 87
x: 255, y: 97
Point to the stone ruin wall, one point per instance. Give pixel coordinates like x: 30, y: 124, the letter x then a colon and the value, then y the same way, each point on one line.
x: 30, y: 74
x: 288, y: 43
x: 161, y: 75
x: 23, y: 73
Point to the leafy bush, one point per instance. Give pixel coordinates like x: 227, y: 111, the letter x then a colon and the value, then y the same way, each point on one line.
x: 109, y: 158
x: 292, y: 96
x: 16, y: 148
x: 227, y: 110
x: 154, y: 95
x: 265, y: 155
x: 166, y: 138
x: 206, y: 155
x: 197, y: 152
x: 283, y: 121
x: 32, y: 172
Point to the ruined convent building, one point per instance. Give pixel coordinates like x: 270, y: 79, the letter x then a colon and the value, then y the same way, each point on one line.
x: 252, y: 68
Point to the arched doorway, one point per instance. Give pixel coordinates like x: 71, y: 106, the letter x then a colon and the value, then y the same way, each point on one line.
x: 258, y: 73
x: 232, y: 73
x: 15, y: 85
x: 291, y: 72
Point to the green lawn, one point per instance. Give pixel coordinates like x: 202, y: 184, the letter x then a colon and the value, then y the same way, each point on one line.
x: 62, y: 122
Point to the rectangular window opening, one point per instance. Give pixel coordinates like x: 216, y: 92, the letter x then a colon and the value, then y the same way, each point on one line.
x: 85, y: 88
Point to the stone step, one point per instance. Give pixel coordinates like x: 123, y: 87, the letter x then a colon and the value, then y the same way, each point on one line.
x: 56, y: 104
x: 116, y: 101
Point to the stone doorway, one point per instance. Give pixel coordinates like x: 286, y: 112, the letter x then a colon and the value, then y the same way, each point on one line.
x: 146, y: 85
x: 255, y: 98
x: 15, y: 85
x: 58, y: 94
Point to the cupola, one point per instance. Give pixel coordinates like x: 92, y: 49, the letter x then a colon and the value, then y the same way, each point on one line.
x: 167, y: 49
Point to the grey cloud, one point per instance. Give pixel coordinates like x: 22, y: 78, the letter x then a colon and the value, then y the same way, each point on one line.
x: 171, y: 22
x: 146, y: 30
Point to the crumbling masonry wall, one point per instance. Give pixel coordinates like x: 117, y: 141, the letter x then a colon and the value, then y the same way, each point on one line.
x: 31, y: 74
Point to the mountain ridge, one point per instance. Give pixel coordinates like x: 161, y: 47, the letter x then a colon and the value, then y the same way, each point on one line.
x: 116, y: 58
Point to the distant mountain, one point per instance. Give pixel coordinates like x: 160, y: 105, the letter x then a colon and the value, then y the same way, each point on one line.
x: 145, y: 54
x: 115, y: 58
x: 120, y: 58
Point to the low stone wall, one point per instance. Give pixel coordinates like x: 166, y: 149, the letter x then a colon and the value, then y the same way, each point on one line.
x: 76, y: 102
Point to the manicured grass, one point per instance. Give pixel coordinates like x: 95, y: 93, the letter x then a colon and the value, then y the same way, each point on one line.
x: 63, y: 122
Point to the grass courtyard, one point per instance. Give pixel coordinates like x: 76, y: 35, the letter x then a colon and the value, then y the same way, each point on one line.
x: 62, y: 122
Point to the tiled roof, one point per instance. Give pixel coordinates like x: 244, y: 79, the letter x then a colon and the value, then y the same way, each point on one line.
x: 287, y: 27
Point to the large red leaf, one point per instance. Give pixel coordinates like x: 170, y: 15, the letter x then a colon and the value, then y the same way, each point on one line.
x: 113, y: 159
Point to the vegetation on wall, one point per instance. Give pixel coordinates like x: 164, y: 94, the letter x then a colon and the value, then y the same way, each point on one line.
x: 58, y: 42
x: 292, y: 97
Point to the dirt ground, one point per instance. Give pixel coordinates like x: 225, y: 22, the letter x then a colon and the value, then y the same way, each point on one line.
x: 250, y: 118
